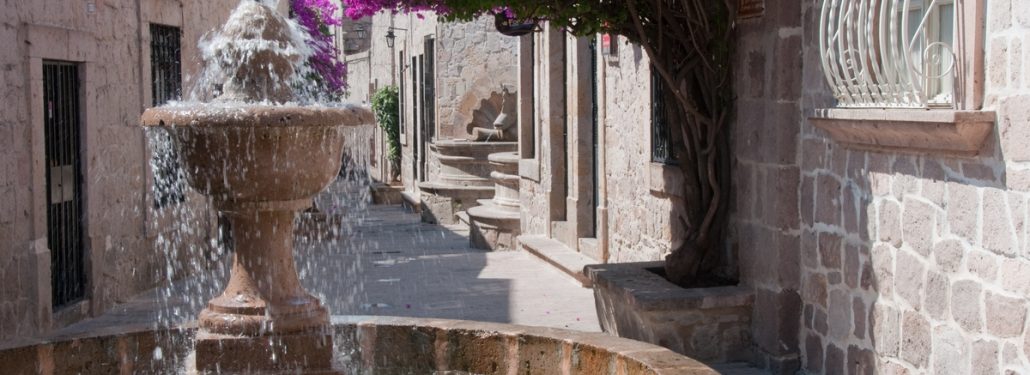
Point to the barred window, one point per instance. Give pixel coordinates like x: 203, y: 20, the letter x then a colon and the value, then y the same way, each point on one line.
x: 166, y: 85
x: 662, y: 150
x: 401, y: 93
x: 889, y: 53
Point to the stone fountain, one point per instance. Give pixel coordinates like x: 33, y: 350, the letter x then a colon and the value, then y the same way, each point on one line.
x: 460, y: 174
x: 260, y: 162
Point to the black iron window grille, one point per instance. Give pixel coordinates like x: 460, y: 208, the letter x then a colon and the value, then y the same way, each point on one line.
x: 532, y: 106
x: 429, y: 95
x: 565, y: 113
x: 414, y: 117
x: 403, y: 95
x: 662, y: 150
x: 423, y: 141
x: 166, y: 85
x: 62, y: 133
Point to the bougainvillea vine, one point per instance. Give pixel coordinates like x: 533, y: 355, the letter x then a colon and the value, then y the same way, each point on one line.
x: 316, y: 17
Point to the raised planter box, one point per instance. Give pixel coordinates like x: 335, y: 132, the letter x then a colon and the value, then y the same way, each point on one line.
x: 709, y: 324
x: 386, y: 194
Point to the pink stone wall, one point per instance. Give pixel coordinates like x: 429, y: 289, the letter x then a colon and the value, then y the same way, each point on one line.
x: 919, y: 263
x: 641, y: 219
x: 764, y: 225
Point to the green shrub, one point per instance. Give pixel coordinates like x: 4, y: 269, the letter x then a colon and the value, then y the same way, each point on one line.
x: 386, y: 107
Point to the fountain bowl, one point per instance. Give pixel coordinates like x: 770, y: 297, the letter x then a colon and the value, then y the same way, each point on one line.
x: 258, y: 153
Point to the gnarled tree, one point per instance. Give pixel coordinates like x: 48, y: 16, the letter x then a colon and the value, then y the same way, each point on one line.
x: 689, y: 45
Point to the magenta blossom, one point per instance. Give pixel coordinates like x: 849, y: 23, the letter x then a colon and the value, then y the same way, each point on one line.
x: 356, y: 9
x: 316, y: 16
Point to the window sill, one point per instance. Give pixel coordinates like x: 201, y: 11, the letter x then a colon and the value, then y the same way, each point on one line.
x: 665, y: 179
x: 924, y: 131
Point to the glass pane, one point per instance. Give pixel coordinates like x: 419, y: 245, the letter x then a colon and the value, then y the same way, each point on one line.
x: 946, y: 35
x: 914, y: 17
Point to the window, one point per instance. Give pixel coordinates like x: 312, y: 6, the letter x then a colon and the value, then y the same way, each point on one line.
x: 531, y: 150
x: 565, y: 112
x: 401, y: 93
x: 889, y: 53
x: 429, y: 95
x: 62, y: 132
x: 661, y: 133
x: 166, y: 85
x: 888, y: 62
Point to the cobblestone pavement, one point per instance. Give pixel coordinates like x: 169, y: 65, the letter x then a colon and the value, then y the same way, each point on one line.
x: 389, y: 263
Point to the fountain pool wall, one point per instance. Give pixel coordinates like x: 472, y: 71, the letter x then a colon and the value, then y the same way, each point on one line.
x: 373, y: 345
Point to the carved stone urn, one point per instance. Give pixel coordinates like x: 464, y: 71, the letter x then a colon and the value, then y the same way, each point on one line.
x: 260, y: 164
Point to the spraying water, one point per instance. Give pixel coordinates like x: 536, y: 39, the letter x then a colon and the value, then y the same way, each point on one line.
x: 259, y: 139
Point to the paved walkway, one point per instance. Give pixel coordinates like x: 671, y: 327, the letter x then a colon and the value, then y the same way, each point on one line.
x: 386, y: 262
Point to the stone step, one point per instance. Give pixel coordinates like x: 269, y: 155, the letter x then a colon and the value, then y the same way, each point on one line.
x: 411, y: 201
x: 558, y: 255
x: 738, y: 368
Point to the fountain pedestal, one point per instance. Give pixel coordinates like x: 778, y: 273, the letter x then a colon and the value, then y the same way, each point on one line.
x: 495, y: 223
x: 264, y: 309
x: 261, y: 165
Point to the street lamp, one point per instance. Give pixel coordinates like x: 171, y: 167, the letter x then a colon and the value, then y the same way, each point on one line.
x: 390, y: 36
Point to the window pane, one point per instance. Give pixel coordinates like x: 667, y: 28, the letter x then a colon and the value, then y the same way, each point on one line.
x: 944, y: 61
x: 914, y: 17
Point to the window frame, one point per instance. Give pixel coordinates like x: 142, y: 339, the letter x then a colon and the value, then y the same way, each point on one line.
x: 169, y: 178
x: 958, y: 129
x: 663, y: 150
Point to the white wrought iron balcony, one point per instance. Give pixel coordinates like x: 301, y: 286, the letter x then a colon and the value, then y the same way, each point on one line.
x: 889, y: 53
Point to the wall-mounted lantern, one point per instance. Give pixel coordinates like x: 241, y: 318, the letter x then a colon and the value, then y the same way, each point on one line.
x: 390, y: 36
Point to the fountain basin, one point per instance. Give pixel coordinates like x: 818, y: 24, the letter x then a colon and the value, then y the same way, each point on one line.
x: 258, y: 153
x: 465, y: 163
x: 260, y: 165
x: 461, y: 180
x: 375, y: 345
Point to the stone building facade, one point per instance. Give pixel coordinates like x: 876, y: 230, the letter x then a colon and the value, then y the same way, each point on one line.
x: 127, y: 236
x: 918, y: 262
x: 874, y: 241
x: 466, y: 63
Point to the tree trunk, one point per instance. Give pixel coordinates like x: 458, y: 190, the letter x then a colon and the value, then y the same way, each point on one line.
x: 688, y: 42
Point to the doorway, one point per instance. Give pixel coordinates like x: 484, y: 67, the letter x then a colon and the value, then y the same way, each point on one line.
x: 62, y: 133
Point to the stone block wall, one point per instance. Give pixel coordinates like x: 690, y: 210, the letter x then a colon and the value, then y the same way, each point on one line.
x: 919, y: 264
x: 764, y: 225
x: 467, y: 54
x: 472, y: 58
x: 642, y: 217
x: 111, y: 43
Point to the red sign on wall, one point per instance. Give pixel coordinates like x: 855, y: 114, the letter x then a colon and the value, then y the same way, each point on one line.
x: 609, y: 46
